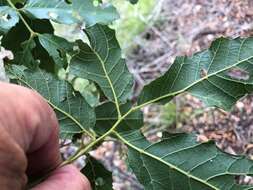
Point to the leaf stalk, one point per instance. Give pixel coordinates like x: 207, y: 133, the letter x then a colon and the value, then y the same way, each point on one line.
x: 82, y: 151
x: 32, y: 33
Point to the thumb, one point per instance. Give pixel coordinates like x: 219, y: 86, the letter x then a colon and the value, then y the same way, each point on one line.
x: 65, y: 178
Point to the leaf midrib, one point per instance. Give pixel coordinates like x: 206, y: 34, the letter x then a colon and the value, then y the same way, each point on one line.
x: 114, y: 118
x: 107, y: 76
x: 162, y: 161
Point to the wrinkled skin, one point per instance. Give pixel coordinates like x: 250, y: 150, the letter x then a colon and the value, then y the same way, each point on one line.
x: 29, y: 143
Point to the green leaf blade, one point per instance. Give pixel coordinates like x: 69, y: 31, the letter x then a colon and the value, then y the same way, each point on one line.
x: 3, y: 2
x: 24, y: 56
x: 74, y: 114
x: 55, y: 10
x: 175, y: 163
x: 91, y: 15
x: 207, y: 75
x: 78, y: 12
x: 8, y: 18
x: 103, y: 64
x: 57, y: 48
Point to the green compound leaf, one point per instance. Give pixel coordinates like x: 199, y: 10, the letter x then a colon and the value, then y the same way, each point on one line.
x: 55, y: 10
x: 74, y: 114
x: 86, y: 12
x: 208, y: 75
x: 107, y: 116
x: 8, y: 18
x: 57, y: 48
x: 179, y: 162
x: 103, y: 64
x: 99, y: 177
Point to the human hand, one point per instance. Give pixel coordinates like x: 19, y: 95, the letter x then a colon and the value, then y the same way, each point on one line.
x: 29, y: 143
